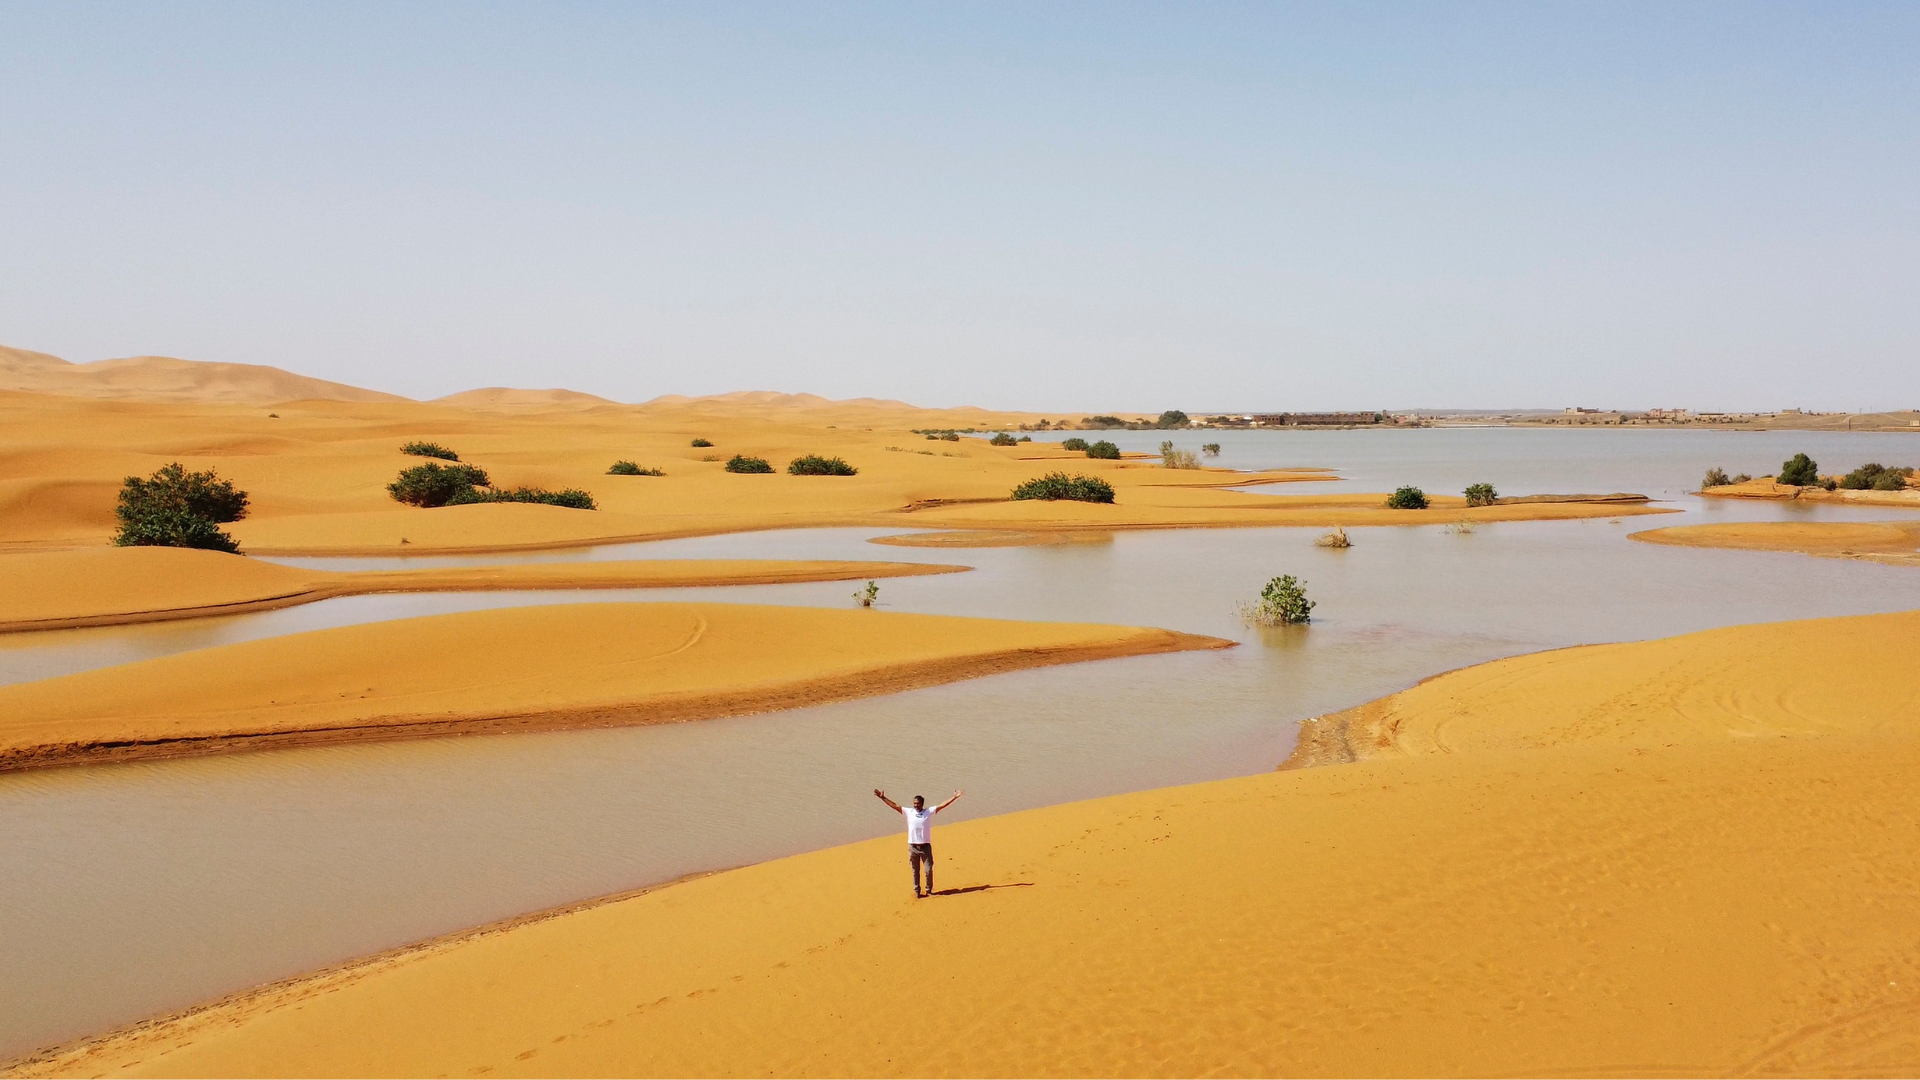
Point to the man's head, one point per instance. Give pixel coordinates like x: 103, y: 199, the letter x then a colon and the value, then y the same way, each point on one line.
x: 919, y: 802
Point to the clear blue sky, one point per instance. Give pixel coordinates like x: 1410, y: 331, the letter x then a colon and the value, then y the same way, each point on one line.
x: 1044, y: 206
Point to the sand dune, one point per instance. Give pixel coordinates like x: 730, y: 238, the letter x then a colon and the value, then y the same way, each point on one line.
x: 506, y: 397
x: 1715, y: 881
x: 1896, y: 543
x: 318, y: 470
x: 119, y: 586
x: 165, y: 378
x: 517, y: 669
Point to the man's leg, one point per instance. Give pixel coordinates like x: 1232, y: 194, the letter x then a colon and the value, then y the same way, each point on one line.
x: 913, y: 859
x: 929, y: 869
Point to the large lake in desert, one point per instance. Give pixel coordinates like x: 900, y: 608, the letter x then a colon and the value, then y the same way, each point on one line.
x: 137, y: 889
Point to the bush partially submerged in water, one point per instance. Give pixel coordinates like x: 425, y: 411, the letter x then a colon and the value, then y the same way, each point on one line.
x: 1211, y: 449
x: 1874, y: 476
x: 814, y: 465
x: 177, y: 508
x: 1799, y: 471
x: 1481, y: 495
x: 1104, y: 449
x: 435, y: 485
x: 429, y: 449
x: 1407, y: 498
x: 1335, y: 539
x: 1059, y: 485
x: 1282, y: 603
x: 1075, y: 443
x: 1716, y: 477
x: 628, y: 468
x: 741, y: 463
x: 1177, y: 459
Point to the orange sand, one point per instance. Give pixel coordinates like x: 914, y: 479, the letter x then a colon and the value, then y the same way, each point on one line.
x: 567, y: 665
x: 1765, y: 488
x: 1893, y: 542
x: 1681, y: 857
x: 317, y: 473
x: 114, y: 586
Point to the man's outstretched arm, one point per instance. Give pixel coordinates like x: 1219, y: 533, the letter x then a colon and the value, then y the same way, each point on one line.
x: 882, y: 796
x: 949, y: 802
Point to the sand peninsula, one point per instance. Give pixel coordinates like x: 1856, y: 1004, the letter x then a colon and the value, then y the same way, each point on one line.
x: 523, y: 669
x: 120, y: 586
x: 1767, y: 488
x: 1688, y: 856
x: 1895, y: 543
x: 317, y: 473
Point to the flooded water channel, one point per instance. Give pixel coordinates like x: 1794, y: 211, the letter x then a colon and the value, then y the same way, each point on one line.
x: 136, y: 889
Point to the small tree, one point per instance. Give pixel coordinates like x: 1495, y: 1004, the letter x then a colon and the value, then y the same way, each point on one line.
x: 1481, y: 495
x: 1003, y: 439
x: 1799, y: 471
x: 1172, y: 418
x: 1282, y: 603
x: 177, y: 508
x: 437, y: 485
x: 814, y: 465
x: 1407, y: 498
x: 741, y: 463
x: 1075, y: 443
x: 1211, y: 449
x: 1103, y: 449
x: 1716, y: 477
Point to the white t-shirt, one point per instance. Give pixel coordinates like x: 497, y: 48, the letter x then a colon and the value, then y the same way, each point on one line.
x: 919, y: 825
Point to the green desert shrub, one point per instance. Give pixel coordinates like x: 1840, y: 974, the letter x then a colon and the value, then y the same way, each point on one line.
x: 177, y: 508
x: 1177, y: 459
x: 572, y: 498
x: 1103, y: 449
x: 1075, y: 443
x: 814, y: 465
x: 628, y: 468
x: 436, y: 485
x: 1716, y: 477
x: 1059, y: 485
x: 741, y: 463
x: 1172, y: 418
x: 1874, y: 476
x: 1004, y: 439
x: 701, y: 442
x: 1407, y: 498
x: 1211, y: 449
x: 1481, y: 495
x: 1799, y: 471
x: 429, y: 449
x: 1282, y: 603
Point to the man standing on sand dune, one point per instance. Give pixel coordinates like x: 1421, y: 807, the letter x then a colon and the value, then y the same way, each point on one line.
x: 919, y: 834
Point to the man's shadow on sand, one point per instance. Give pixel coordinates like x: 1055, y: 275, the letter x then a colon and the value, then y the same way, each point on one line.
x: 982, y: 888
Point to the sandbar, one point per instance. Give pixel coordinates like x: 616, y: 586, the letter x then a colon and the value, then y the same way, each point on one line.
x: 118, y: 586
x: 1896, y: 543
x: 1766, y: 488
x: 1678, y: 857
x: 521, y: 669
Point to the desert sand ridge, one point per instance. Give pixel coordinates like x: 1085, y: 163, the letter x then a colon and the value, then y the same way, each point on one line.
x: 166, y: 378
x: 525, y: 669
x: 1617, y: 860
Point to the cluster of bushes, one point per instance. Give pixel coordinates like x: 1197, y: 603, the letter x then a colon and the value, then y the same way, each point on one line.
x: 433, y: 485
x: 1104, y: 449
x: 1172, y: 418
x: 1004, y: 439
x: 701, y: 442
x: 1282, y: 603
x: 814, y: 465
x: 1177, y: 459
x: 1407, y: 498
x: 1211, y: 449
x: 741, y: 463
x: 1075, y: 443
x: 628, y: 468
x: 943, y: 436
x: 1874, y: 476
x: 177, y: 508
x: 428, y: 449
x: 1055, y: 486
x: 1481, y: 495
x: 1717, y: 477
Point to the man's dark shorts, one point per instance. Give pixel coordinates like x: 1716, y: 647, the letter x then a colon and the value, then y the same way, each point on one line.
x: 916, y: 852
